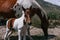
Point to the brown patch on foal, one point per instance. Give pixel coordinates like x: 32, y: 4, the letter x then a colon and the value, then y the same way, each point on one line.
x: 10, y: 23
x: 27, y: 15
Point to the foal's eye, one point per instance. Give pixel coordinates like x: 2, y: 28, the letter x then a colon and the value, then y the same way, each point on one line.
x: 15, y: 6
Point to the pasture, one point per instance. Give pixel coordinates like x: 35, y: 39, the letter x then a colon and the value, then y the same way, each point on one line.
x: 36, y: 33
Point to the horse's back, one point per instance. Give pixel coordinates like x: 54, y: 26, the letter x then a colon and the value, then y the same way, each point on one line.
x: 2, y: 1
x: 10, y: 23
x: 6, y: 5
x: 5, y: 8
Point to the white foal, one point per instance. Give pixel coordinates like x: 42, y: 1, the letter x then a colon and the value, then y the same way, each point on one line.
x: 14, y: 25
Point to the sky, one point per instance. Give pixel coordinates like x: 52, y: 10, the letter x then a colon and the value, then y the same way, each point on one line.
x: 55, y: 2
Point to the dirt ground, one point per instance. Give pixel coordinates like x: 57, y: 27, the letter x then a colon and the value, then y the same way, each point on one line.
x: 37, y: 33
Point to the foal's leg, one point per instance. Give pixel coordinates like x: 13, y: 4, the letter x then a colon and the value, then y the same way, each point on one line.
x: 28, y: 28
x: 6, y: 34
x: 9, y: 34
x: 19, y: 34
x: 28, y: 32
x: 24, y: 37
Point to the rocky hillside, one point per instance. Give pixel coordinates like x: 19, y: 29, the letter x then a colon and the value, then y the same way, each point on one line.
x: 49, y: 7
x: 53, y: 12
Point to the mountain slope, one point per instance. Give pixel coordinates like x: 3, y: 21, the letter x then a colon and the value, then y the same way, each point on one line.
x: 49, y: 7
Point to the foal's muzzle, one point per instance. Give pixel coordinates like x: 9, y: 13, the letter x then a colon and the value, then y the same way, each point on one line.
x: 27, y: 23
x: 30, y: 23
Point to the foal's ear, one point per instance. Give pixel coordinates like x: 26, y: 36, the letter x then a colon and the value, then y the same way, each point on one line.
x: 23, y: 8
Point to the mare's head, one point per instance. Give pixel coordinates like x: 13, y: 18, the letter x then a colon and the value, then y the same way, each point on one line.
x: 27, y: 14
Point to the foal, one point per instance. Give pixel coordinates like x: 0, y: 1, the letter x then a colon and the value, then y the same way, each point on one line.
x: 14, y: 25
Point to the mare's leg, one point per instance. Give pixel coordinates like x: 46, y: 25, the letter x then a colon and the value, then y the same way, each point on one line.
x: 19, y: 34
x: 44, y: 26
x: 44, y: 23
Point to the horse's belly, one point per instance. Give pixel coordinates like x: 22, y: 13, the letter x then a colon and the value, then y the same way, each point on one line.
x: 15, y: 28
x: 18, y: 25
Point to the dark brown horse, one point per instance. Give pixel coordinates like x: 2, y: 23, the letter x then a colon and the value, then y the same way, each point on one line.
x: 5, y: 8
x: 30, y: 12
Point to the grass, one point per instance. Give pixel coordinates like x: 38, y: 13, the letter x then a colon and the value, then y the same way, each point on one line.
x: 36, y: 21
x: 35, y: 37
